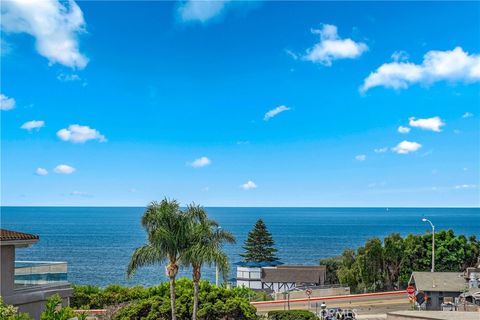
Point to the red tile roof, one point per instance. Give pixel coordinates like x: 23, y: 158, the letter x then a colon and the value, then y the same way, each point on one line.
x: 8, y: 235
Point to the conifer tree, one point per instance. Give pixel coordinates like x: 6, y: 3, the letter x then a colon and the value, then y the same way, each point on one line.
x: 259, y: 246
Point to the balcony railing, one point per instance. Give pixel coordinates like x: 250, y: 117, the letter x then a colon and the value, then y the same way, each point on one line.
x: 37, y: 273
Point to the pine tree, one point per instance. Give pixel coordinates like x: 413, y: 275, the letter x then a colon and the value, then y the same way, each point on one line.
x: 259, y: 246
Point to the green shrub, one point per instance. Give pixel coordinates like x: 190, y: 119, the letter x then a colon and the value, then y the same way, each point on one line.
x: 9, y: 312
x: 54, y: 311
x: 90, y: 297
x: 154, y: 303
x: 292, y: 315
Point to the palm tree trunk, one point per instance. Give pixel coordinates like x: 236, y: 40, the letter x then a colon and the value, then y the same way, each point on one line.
x: 196, y: 279
x: 173, y: 298
x: 195, y: 300
x: 172, y: 270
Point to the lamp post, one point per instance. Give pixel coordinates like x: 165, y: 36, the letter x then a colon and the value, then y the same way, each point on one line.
x: 216, y: 265
x: 433, y: 242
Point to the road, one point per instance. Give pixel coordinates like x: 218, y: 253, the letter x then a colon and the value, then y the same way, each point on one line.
x: 377, y: 304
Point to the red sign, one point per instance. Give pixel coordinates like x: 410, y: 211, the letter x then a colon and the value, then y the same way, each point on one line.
x: 308, y: 292
x: 411, y: 290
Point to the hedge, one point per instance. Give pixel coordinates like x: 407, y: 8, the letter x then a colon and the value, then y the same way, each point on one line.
x: 292, y: 315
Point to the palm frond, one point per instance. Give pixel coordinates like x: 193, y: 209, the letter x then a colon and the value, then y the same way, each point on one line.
x: 145, y: 256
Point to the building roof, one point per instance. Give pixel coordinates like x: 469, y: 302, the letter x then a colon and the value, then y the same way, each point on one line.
x: 439, y: 281
x: 296, y: 274
x: 9, y: 237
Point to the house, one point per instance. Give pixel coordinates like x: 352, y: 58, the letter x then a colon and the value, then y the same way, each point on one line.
x: 439, y: 287
x: 472, y: 296
x: 276, y: 277
x: 26, y: 284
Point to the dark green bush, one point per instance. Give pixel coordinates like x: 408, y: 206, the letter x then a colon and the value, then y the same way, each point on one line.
x: 292, y: 315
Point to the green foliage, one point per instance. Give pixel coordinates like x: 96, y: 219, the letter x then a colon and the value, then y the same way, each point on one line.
x: 207, y: 243
x: 9, y: 312
x: 259, y: 245
x: 207, y: 248
x: 154, y: 303
x: 171, y: 233
x: 388, y: 265
x: 292, y: 315
x: 90, y: 297
x: 331, y: 265
x: 55, y: 311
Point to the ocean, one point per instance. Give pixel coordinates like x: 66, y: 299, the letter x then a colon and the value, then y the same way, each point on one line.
x: 97, y: 242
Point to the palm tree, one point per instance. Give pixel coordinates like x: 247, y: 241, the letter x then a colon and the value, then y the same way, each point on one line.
x: 169, y: 232
x: 207, y: 249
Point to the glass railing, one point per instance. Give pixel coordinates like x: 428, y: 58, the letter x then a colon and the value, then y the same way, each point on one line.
x: 37, y: 273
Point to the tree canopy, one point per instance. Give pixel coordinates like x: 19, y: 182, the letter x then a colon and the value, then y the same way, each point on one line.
x: 388, y: 264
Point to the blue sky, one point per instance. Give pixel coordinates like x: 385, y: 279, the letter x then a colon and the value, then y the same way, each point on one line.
x: 241, y: 104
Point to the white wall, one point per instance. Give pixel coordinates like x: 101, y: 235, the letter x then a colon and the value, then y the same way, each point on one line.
x: 250, y: 284
x: 249, y: 273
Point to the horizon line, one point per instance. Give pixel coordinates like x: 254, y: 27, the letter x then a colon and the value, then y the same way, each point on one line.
x: 279, y: 207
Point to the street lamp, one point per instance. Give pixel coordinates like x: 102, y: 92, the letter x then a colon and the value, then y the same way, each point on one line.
x: 433, y: 242
x: 216, y: 265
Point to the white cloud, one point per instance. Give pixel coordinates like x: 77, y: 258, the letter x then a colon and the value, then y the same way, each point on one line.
x: 453, y: 66
x: 272, y: 113
x: 331, y: 47
x: 403, y: 129
x: 292, y: 54
x: 64, y: 169
x: 34, y: 124
x: 405, y: 147
x: 467, y: 115
x: 466, y: 186
x: 243, y: 142
x: 361, y: 157
x: 205, y: 189
x: 80, y: 134
x: 201, y: 10
x: 432, y: 124
x: 68, y: 77
x: 381, y: 150
x: 249, y: 185
x: 6, y: 103
x: 400, y: 56
x: 200, y: 162
x: 71, y: 77
x: 41, y: 172
x: 55, y: 26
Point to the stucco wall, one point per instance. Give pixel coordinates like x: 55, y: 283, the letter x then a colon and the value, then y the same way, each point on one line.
x: 7, y: 270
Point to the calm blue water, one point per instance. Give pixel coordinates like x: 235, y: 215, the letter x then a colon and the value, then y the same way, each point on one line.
x: 97, y: 242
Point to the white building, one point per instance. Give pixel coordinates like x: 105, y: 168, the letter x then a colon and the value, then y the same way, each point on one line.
x: 278, y: 278
x: 26, y: 284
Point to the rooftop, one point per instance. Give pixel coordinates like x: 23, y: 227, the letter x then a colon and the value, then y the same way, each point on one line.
x: 297, y: 274
x: 9, y: 237
x: 439, y: 281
